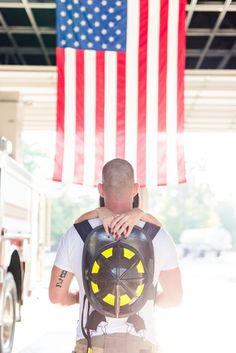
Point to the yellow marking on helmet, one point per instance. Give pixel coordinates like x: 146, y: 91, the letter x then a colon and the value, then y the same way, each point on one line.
x: 128, y: 253
x: 140, y: 267
x: 107, y: 253
x: 94, y: 286
x: 139, y: 289
x: 124, y: 299
x: 96, y: 267
x: 90, y: 350
x: 109, y: 299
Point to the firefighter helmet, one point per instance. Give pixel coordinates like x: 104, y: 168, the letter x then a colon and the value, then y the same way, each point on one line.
x: 118, y: 275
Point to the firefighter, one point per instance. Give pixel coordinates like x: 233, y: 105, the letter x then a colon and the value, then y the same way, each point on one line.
x: 117, y: 313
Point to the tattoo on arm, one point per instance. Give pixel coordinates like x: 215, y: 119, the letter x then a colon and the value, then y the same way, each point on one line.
x: 61, y: 278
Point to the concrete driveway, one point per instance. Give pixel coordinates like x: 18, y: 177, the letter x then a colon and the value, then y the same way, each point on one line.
x: 205, y: 322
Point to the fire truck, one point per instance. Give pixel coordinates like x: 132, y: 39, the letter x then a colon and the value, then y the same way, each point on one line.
x: 23, y: 236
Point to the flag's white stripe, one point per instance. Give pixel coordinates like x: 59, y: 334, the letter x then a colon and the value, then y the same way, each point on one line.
x: 110, y: 105
x: 152, y: 92
x: 132, y: 83
x: 70, y: 115
x: 171, y: 102
x: 89, y: 115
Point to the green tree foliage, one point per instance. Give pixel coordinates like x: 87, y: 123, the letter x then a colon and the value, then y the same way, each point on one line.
x: 32, y: 157
x: 66, y: 209
x: 184, y: 206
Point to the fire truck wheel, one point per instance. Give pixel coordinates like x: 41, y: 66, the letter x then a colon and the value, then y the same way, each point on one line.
x: 8, y: 315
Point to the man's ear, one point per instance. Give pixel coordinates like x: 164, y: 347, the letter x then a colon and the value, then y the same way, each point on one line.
x: 135, y: 189
x: 100, y: 189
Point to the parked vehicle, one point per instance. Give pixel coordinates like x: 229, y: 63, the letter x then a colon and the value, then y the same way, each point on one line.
x: 200, y: 241
x: 22, y: 241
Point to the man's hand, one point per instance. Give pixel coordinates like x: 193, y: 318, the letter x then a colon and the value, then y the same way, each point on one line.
x: 106, y: 216
x: 119, y: 224
x: 123, y: 224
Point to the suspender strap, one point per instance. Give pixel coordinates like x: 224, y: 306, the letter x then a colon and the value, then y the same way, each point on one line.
x: 151, y: 229
x: 137, y: 322
x: 94, y: 319
x: 89, y: 349
x: 82, y: 318
x: 86, y: 334
x: 83, y: 228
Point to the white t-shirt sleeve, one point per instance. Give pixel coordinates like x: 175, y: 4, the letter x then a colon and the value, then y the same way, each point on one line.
x: 63, y: 256
x: 165, y: 250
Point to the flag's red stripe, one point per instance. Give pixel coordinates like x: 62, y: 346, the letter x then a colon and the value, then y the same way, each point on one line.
x: 58, y: 167
x: 180, y: 93
x: 142, y: 89
x: 79, y: 132
x: 120, y: 115
x: 100, y: 92
x: 162, y: 147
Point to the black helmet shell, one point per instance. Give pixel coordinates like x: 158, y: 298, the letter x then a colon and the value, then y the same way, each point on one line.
x: 118, y: 275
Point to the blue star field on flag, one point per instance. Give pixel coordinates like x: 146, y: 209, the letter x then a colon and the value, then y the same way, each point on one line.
x: 92, y: 24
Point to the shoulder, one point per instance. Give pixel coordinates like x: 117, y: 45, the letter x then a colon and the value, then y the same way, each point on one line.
x: 151, y: 229
x: 70, y: 233
x: 164, y: 239
x: 69, y: 244
x: 164, y: 235
x: 157, y: 233
x: 69, y: 237
x: 85, y: 227
x: 165, y: 250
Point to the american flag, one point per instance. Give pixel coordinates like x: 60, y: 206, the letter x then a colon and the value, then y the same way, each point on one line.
x: 120, y: 89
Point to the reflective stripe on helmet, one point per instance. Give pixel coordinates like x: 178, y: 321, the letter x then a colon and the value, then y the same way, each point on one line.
x: 140, y: 267
x: 125, y: 299
x: 109, y: 299
x: 94, y: 286
x: 139, y: 289
x: 107, y: 253
x: 128, y: 253
x: 96, y: 267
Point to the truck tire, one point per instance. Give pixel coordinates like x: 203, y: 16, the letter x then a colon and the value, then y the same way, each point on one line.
x: 8, y: 314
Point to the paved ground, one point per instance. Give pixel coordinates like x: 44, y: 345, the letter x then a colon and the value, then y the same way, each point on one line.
x: 45, y: 328
x: 204, y: 323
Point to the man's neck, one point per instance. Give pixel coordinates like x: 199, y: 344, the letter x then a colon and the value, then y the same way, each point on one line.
x: 118, y: 206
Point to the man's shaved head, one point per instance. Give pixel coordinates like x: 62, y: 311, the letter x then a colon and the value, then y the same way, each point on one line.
x: 117, y: 175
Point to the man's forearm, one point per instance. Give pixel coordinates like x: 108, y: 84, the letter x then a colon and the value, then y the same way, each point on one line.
x: 171, y: 291
x: 87, y: 215
x: 164, y: 301
x: 72, y: 298
x: 69, y: 299
x: 146, y: 217
x: 96, y: 213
